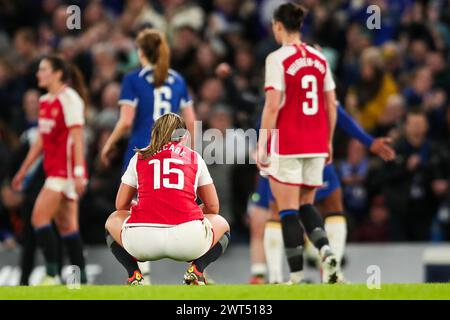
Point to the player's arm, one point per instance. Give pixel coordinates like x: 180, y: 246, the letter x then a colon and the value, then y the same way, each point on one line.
x: 274, y: 87
x: 128, y: 102
x: 331, y: 108
x: 76, y: 134
x: 208, y: 195
x: 346, y: 123
x: 379, y: 146
x: 330, y: 100
x: 122, y: 128
x: 32, y: 155
x: 128, y: 187
x: 330, y: 103
x: 125, y: 197
x: 206, y: 190
x: 268, y: 120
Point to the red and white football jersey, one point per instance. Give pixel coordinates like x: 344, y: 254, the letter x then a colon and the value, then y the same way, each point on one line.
x: 302, y: 74
x: 57, y: 114
x: 167, y: 185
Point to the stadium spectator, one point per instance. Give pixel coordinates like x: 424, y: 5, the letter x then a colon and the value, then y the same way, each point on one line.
x: 10, y: 204
x: 27, y: 116
x: 108, y: 114
x: 26, y: 47
x: 138, y: 13
x: 375, y: 226
x: 408, y: 180
x: 391, y: 120
x: 439, y: 69
x: 10, y: 90
x: 202, y: 67
x: 441, y: 186
x: 419, y: 87
x: 374, y: 88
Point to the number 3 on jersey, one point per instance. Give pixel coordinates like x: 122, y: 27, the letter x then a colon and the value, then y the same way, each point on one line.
x: 161, y: 101
x: 309, y: 82
x: 167, y: 171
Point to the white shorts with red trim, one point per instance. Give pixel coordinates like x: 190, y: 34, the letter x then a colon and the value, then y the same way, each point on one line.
x: 184, y: 242
x: 296, y: 171
x: 64, y: 185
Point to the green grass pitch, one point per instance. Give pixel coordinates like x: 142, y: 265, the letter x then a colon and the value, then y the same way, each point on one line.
x: 232, y: 292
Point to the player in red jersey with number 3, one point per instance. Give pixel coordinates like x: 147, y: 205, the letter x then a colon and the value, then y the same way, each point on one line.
x: 300, y: 104
x: 166, y: 221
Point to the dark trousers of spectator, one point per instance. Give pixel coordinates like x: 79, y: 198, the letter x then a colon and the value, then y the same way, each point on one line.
x: 412, y: 224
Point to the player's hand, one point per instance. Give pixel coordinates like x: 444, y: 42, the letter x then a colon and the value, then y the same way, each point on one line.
x: 262, y: 159
x: 413, y: 162
x: 18, y: 180
x: 80, y: 185
x: 381, y: 147
x: 105, y: 155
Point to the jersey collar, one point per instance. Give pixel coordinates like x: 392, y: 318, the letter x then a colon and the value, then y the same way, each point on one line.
x: 145, y: 69
x: 53, y: 96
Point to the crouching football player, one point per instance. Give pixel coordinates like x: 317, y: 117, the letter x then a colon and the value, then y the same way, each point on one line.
x: 166, y: 221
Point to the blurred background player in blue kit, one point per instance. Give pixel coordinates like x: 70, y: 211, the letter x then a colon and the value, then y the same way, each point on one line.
x: 266, y: 242
x: 147, y: 94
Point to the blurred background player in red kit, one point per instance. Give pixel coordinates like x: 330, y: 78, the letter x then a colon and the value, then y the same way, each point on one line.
x: 158, y: 227
x: 61, y: 121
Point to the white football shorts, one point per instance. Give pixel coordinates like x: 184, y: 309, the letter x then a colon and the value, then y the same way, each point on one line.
x: 306, y: 172
x: 184, y: 242
x: 64, y: 185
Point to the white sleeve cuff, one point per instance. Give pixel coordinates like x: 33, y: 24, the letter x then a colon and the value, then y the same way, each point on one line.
x: 132, y: 103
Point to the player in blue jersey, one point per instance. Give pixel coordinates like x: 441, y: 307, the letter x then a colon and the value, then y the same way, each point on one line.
x: 148, y: 93
x: 328, y: 200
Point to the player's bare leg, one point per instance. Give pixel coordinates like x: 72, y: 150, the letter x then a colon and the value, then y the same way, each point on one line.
x: 67, y: 223
x: 273, y: 245
x: 46, y: 207
x: 287, y: 198
x: 194, y: 274
x: 113, y: 228
x: 258, y: 218
x: 332, y: 211
x: 313, y: 224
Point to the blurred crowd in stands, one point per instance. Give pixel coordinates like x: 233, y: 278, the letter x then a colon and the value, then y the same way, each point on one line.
x: 395, y: 80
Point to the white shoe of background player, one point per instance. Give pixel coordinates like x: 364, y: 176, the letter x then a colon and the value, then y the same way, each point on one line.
x: 330, y: 268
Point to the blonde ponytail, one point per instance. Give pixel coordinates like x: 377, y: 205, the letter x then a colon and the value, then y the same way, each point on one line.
x: 165, y: 129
